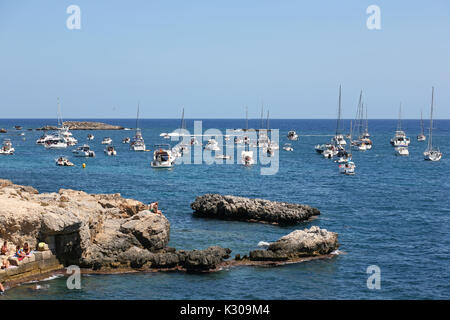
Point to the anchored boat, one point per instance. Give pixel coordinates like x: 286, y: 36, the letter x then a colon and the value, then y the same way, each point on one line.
x: 432, y: 153
x: 7, y: 148
x: 162, y: 157
x: 83, y: 151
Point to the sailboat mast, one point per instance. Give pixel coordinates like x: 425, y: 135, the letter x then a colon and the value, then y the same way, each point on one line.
x: 267, y: 120
x: 339, y: 113
x: 262, y: 115
x: 59, y: 112
x: 430, y: 140
x: 137, y: 117
x: 246, y: 118
x: 182, y: 125
x: 367, y: 121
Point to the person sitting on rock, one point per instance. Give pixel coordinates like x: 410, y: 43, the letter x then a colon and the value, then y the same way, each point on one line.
x: 26, y: 249
x: 19, y: 253
x: 154, y: 208
x: 4, y: 250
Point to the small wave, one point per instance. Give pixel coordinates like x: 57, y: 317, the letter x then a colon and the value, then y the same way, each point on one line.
x: 263, y: 244
x: 336, y: 252
x: 42, y: 287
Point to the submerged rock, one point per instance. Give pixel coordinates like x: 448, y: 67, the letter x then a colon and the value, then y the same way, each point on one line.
x: 245, y: 209
x: 299, y: 244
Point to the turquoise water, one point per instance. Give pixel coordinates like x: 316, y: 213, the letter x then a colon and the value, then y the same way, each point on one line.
x: 394, y: 213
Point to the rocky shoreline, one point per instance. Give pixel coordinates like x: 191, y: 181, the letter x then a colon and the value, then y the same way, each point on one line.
x: 217, y: 206
x: 84, y: 125
x: 106, y: 233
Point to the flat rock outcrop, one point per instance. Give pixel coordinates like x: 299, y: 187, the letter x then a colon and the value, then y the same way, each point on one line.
x: 89, y: 125
x: 84, y: 125
x: 299, y: 244
x: 255, y: 210
x: 97, y: 231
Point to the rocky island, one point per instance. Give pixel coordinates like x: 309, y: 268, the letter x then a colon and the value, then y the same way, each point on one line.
x: 252, y: 210
x: 108, y: 233
x: 84, y: 125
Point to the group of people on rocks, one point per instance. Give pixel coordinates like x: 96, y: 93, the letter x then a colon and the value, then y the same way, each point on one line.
x: 21, y: 253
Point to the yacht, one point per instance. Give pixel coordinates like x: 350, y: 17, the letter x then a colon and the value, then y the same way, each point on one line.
x: 338, y: 138
x: 90, y: 136
x: 70, y: 140
x: 421, y: 136
x: 107, y: 140
x: 83, y: 151
x: 137, y: 144
x: 126, y: 140
x: 110, y: 151
x: 64, y: 162
x: 400, y: 139
x: 47, y: 136
x: 3, y: 130
x: 401, y: 151
x: 57, y: 142
x: 292, y: 135
x: 247, y: 158
x: 7, y: 148
x: 162, y: 157
x: 432, y: 153
x: 347, y: 168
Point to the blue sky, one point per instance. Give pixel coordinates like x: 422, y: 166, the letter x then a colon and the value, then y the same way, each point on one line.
x: 216, y: 57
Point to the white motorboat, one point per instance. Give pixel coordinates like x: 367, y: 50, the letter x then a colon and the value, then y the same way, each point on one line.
x: 344, y: 158
x: 110, y: 150
x: 64, y: 131
x: 138, y: 144
x: 288, y: 147
x: 126, y: 140
x: 64, y: 162
x: 247, y: 158
x: 400, y: 139
x: 107, y: 140
x: 90, y: 136
x: 401, y: 151
x: 58, y: 142
x: 359, y: 145
x: 83, y: 151
x: 7, y: 148
x: 212, y: 145
x: 292, y: 135
x: 432, y: 153
x: 347, y: 168
x: 162, y: 157
x: 47, y: 136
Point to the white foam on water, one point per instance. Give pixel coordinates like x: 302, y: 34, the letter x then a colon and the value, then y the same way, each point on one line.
x: 263, y: 244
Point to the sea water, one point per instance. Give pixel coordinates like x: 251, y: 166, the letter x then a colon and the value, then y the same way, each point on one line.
x: 394, y: 213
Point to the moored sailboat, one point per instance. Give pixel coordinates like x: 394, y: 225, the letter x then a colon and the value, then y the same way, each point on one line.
x: 432, y: 153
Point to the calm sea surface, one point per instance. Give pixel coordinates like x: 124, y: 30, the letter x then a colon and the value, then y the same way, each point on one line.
x: 394, y: 213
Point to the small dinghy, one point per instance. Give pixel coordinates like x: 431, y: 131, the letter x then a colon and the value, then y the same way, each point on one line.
x: 64, y: 162
x: 292, y: 135
x: 347, y: 168
x: 288, y: 147
x: 107, y: 140
x: 247, y: 158
x: 90, y: 136
x: 401, y: 151
x: 126, y: 140
x: 110, y: 151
